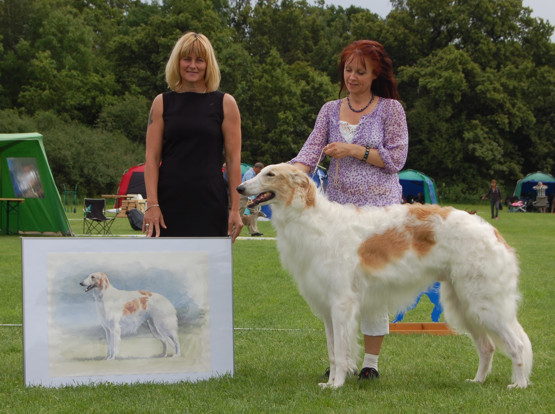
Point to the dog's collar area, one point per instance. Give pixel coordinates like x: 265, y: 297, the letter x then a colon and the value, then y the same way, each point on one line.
x: 261, y: 198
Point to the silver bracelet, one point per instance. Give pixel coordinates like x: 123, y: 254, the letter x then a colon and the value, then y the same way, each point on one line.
x: 149, y: 207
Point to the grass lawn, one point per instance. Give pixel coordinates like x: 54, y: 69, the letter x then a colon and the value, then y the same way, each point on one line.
x: 280, y: 349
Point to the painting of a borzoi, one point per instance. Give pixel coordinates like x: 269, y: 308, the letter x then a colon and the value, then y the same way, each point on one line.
x: 124, y: 311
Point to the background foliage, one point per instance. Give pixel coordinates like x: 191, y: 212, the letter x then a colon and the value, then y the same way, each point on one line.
x: 477, y: 79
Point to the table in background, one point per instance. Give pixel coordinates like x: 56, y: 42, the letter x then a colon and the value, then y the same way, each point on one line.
x: 128, y: 202
x: 12, y: 206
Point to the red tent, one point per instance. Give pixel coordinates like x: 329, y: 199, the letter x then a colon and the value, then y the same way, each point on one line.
x: 132, y: 182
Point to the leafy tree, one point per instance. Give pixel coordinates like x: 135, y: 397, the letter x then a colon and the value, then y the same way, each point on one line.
x: 476, y: 77
x: 467, y: 86
x: 126, y: 115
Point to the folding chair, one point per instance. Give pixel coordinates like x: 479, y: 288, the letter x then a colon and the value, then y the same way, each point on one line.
x: 94, y: 220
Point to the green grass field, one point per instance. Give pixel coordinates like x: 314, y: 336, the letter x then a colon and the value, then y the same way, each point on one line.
x: 280, y: 349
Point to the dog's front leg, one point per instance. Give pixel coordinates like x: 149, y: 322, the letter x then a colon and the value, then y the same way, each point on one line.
x: 344, y: 326
x: 331, y: 353
x: 337, y: 349
x: 113, y: 333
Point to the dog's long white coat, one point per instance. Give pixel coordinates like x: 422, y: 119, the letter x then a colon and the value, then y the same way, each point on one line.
x: 347, y: 260
x: 123, y: 311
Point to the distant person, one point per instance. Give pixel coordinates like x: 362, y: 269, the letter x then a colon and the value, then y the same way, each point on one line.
x: 541, y: 198
x: 189, y: 127
x: 495, y: 199
x: 420, y: 198
x: 251, y: 220
x: 540, y: 189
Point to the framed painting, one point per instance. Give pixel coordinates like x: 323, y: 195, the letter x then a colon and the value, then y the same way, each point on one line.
x: 126, y: 310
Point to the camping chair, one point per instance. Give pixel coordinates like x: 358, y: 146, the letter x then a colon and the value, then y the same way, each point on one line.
x: 518, y: 206
x: 94, y: 220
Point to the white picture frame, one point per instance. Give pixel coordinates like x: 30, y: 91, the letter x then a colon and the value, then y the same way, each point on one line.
x: 65, y: 342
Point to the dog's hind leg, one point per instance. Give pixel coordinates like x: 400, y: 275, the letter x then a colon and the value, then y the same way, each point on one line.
x: 158, y: 335
x: 485, y: 348
x: 457, y: 318
x: 177, y: 348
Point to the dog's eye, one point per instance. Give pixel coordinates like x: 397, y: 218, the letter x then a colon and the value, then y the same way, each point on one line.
x: 270, y: 174
x: 93, y: 277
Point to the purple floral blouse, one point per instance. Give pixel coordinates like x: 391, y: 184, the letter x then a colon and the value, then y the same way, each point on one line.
x: 350, y: 180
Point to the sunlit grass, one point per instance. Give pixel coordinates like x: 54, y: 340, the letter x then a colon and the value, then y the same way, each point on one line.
x: 280, y: 349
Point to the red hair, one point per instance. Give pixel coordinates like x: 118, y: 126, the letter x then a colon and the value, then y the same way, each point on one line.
x: 385, y: 84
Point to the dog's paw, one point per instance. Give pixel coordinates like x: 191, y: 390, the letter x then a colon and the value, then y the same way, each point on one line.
x: 329, y: 385
x: 475, y: 381
x: 521, y: 386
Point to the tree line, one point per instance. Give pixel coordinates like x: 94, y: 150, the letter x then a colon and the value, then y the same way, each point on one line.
x: 476, y: 78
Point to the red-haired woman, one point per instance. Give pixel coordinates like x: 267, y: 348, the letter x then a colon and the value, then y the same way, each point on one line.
x: 365, y: 134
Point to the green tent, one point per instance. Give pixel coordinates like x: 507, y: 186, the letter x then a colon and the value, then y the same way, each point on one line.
x: 414, y: 182
x: 524, y: 186
x: 25, y: 174
x: 244, y: 168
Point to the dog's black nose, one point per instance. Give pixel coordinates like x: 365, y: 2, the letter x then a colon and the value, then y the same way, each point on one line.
x: 241, y: 189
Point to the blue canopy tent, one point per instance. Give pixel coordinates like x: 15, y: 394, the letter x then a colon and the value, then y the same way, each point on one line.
x: 415, y: 182
x: 524, y: 187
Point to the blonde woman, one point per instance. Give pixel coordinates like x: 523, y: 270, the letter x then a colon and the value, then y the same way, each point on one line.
x: 189, y: 128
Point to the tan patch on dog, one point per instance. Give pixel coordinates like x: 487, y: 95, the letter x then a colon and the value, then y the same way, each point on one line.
x: 145, y: 293
x: 144, y: 302
x: 377, y: 251
x: 291, y: 196
x: 500, y: 239
x: 422, y: 237
x: 418, y: 235
x: 423, y: 212
x: 297, y: 182
x: 310, y: 194
x: 131, y: 307
x: 103, y: 282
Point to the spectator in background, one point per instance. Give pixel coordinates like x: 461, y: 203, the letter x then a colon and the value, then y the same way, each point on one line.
x: 250, y: 220
x: 495, y: 198
x: 541, y: 198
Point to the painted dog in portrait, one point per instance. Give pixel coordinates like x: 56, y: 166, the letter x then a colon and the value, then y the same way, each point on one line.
x: 125, y: 310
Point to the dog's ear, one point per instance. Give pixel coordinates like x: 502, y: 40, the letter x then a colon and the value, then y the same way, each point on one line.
x: 298, y: 176
x: 302, y: 179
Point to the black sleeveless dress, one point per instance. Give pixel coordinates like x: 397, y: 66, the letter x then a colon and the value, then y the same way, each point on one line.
x: 191, y: 189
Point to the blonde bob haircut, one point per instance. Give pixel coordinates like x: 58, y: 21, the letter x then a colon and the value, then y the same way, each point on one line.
x: 198, y: 44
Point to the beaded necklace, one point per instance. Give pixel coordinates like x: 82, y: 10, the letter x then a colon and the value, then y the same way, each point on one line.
x: 354, y: 110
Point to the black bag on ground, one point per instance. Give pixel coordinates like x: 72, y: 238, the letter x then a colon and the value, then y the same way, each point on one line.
x: 135, y: 217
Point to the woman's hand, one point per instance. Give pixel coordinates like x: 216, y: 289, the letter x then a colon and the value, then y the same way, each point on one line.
x: 340, y: 150
x: 235, y: 224
x: 152, y: 221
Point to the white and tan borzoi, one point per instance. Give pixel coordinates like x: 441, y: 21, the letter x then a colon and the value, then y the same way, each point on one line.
x: 348, y: 260
x: 123, y: 311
